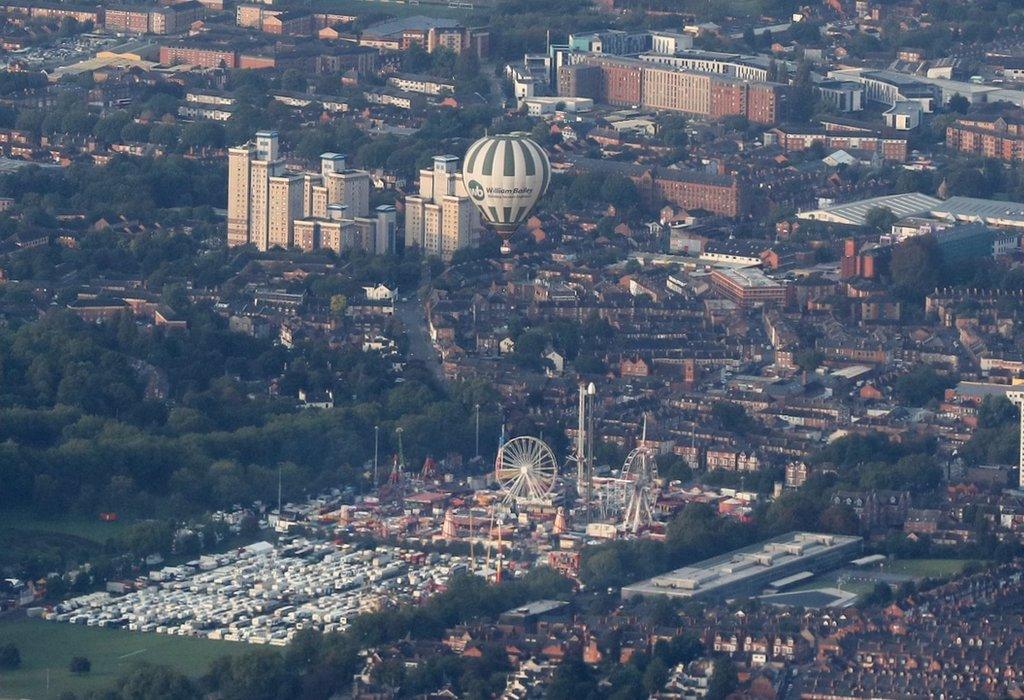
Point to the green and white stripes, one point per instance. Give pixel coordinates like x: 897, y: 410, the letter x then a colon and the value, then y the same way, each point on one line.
x: 505, y: 175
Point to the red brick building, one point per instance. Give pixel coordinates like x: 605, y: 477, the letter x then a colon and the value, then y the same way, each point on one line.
x: 1001, y: 138
x: 289, y: 23
x: 890, y: 147
x: 748, y: 287
x: 630, y: 82
x: 127, y: 19
x: 204, y: 56
x: 688, y: 189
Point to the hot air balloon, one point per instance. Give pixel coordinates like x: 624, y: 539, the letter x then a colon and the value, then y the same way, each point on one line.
x: 505, y: 175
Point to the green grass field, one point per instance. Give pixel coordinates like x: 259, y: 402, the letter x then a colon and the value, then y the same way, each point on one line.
x: 51, y: 645
x: 54, y: 543
x: 914, y: 568
x: 831, y: 580
x: 924, y: 568
x: 90, y: 528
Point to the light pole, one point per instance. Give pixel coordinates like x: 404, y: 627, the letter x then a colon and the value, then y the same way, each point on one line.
x: 376, y: 435
x: 477, y: 407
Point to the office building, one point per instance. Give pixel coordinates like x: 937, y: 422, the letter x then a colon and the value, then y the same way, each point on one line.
x: 748, y: 287
x: 441, y: 219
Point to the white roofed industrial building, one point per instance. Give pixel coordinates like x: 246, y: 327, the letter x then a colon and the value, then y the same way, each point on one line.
x: 749, y: 570
x: 856, y: 213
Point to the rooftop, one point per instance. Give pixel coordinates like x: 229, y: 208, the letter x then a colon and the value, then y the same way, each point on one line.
x: 748, y: 277
x: 989, y: 210
x: 856, y: 213
x: 720, y: 573
x: 416, y: 22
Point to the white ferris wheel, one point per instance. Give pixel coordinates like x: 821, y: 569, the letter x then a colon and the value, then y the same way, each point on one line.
x: 525, y: 469
x: 639, y: 479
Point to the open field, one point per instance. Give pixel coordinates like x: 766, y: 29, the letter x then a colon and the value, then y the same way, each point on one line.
x: 90, y: 528
x: 50, y: 646
x: 53, y: 543
x: 862, y: 581
x: 924, y: 568
x: 831, y: 580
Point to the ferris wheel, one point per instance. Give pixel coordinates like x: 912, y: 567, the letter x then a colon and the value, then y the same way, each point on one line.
x: 525, y: 469
x: 639, y: 480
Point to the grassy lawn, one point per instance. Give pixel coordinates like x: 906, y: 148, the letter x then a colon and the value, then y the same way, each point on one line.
x: 831, y: 580
x: 925, y: 568
x: 914, y: 568
x: 90, y: 528
x: 54, y: 543
x: 50, y: 645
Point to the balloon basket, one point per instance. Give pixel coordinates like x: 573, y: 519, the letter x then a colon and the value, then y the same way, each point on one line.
x: 506, y: 249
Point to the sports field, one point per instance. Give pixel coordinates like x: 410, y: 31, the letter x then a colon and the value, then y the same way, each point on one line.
x: 47, y: 648
x: 926, y: 568
x: 862, y: 581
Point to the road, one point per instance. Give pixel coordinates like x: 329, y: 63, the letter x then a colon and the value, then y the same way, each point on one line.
x: 410, y: 312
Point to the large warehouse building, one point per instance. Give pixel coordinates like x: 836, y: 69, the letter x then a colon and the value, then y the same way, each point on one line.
x: 749, y: 570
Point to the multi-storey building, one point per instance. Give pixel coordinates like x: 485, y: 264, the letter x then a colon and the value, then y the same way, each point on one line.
x: 212, y: 56
x: 169, y: 19
x: 270, y: 207
x: 239, y: 172
x: 889, y: 87
x: 730, y: 65
x: 1002, y: 137
x: 748, y: 287
x: 430, y: 33
x: 887, y: 145
x: 127, y: 19
x: 689, y: 189
x: 441, y: 219
x: 351, y: 188
x: 638, y: 83
x: 284, y: 205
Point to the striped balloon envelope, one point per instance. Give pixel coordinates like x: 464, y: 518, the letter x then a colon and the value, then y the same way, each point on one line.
x: 505, y: 175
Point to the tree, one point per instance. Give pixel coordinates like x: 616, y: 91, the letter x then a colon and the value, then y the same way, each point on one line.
x: 919, y: 386
x: 959, y: 104
x: 996, y: 411
x: 672, y: 131
x: 80, y: 665
x: 10, y: 657
x: 620, y: 192
x: 731, y: 416
x: 808, y: 359
x: 880, y: 595
x: 840, y: 519
x: 339, y: 303
x: 573, y: 680
x: 655, y: 676
x: 529, y: 345
x: 149, y: 682
x: 880, y: 219
x: 803, y: 99
x: 724, y: 679
x: 915, y: 267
